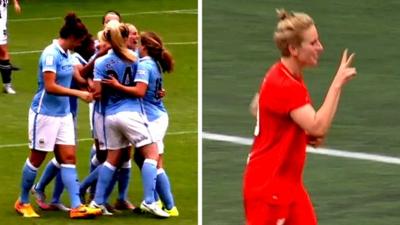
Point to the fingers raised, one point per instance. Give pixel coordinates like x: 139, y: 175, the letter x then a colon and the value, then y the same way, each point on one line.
x: 344, y: 57
x: 350, y: 59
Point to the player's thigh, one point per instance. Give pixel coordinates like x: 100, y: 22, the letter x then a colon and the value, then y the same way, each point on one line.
x: 114, y: 135
x: 135, y: 128
x: 259, y: 212
x: 43, y: 131
x: 157, y: 129
x: 302, y: 211
x: 67, y: 132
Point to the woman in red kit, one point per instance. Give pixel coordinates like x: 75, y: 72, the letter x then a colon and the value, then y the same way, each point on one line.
x: 274, y: 193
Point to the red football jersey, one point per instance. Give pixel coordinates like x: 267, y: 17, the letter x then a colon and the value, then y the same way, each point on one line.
x: 276, y: 161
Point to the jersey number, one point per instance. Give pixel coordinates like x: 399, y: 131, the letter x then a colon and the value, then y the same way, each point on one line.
x: 127, y: 80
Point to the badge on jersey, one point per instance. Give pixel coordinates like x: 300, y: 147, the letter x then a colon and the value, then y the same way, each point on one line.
x: 49, y: 60
x: 141, y: 72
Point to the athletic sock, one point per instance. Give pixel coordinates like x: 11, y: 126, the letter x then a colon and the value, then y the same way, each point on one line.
x: 163, y: 188
x: 93, y: 159
x: 58, y: 189
x: 51, y: 170
x: 124, y: 177
x: 111, y: 186
x: 70, y: 180
x: 5, y: 70
x: 106, y: 174
x: 149, y: 174
x: 28, y: 177
x: 94, y: 164
x: 89, y: 180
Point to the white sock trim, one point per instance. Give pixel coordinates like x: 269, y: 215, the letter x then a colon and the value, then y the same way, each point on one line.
x: 151, y: 161
x: 95, y: 161
x: 55, y: 163
x: 29, y: 164
x: 160, y: 171
x: 127, y: 164
x: 68, y: 165
x: 108, y: 165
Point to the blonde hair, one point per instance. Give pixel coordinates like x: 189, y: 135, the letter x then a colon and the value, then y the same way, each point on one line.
x: 101, y: 37
x: 116, y: 34
x: 289, y: 29
x: 131, y: 27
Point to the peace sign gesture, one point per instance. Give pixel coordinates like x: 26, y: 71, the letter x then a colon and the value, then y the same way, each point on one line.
x: 345, y: 71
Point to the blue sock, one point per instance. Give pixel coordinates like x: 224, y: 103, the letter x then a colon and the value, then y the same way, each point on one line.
x: 111, y: 186
x: 106, y: 174
x: 28, y: 178
x: 58, y: 189
x: 70, y: 180
x: 94, y: 164
x: 149, y: 174
x: 92, y: 158
x: 123, y: 180
x: 164, y: 189
x: 51, y: 170
x: 89, y: 180
x: 156, y: 197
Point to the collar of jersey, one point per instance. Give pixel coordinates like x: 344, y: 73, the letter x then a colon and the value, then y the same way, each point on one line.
x: 55, y: 42
x: 145, y: 58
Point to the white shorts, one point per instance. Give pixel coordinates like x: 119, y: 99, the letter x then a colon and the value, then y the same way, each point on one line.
x: 125, y: 128
x: 3, y: 26
x: 158, y: 128
x: 47, y: 131
x: 98, y: 130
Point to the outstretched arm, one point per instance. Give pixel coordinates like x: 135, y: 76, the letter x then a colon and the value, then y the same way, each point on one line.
x: 52, y: 87
x: 139, y: 90
x: 317, y: 123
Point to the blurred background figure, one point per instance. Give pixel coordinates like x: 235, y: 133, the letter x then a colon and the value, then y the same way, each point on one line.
x: 5, y: 66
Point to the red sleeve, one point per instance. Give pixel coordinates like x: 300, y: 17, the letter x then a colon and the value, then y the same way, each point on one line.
x: 296, y: 96
x: 285, y: 97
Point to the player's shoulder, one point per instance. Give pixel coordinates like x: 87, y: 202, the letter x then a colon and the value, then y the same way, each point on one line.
x: 280, y: 76
x: 50, y: 50
x: 147, y: 62
x: 102, y: 60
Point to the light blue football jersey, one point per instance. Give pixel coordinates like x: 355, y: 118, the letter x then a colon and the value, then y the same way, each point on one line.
x: 77, y: 59
x: 114, y: 100
x: 56, y: 60
x: 149, y: 72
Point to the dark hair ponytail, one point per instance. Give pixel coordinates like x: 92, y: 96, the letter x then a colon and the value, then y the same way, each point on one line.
x: 73, y: 26
x: 155, y: 48
x: 166, y: 61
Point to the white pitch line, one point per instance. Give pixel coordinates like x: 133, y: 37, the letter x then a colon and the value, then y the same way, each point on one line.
x: 89, y: 139
x: 321, y: 151
x: 178, y: 11
x: 168, y: 43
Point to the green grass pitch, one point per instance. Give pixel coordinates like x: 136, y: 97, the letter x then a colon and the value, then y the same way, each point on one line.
x: 34, y: 29
x: 238, y: 49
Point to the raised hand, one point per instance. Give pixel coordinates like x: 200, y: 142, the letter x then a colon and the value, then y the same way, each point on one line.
x: 345, y: 71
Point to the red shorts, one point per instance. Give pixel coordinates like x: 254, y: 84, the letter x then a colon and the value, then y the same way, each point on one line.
x: 298, y: 212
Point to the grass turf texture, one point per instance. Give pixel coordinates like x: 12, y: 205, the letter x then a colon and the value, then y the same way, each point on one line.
x: 30, y: 32
x: 238, y: 49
